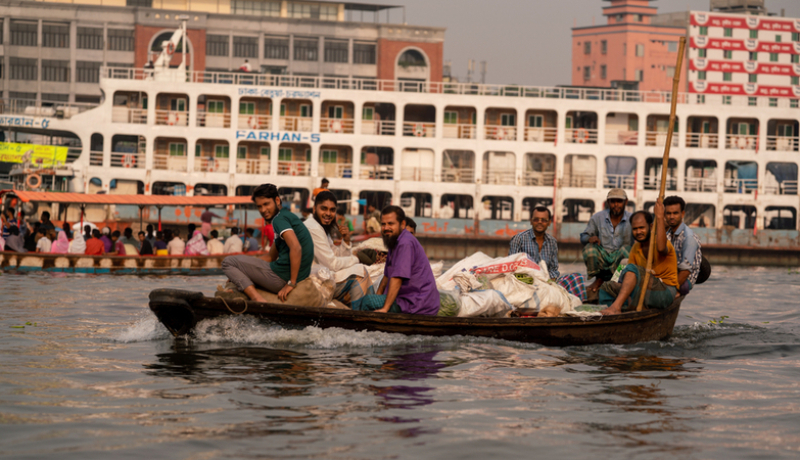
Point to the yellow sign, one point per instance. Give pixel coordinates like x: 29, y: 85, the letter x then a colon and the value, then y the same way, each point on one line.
x: 38, y: 155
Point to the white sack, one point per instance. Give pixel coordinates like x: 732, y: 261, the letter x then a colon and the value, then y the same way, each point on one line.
x: 483, y: 303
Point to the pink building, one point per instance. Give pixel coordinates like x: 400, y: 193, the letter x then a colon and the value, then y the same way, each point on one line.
x: 629, y: 51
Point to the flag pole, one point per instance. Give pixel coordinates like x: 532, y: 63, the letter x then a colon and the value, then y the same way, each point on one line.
x: 664, y: 167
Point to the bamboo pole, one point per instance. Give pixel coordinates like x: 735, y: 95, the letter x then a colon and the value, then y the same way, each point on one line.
x: 664, y: 167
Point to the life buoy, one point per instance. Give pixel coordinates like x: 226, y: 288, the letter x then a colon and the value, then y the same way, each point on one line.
x: 293, y: 169
x: 170, y: 48
x: 335, y: 126
x: 501, y: 134
x: 419, y: 129
x: 581, y: 136
x: 128, y: 160
x: 211, y: 165
x: 252, y: 122
x: 741, y: 143
x: 34, y: 181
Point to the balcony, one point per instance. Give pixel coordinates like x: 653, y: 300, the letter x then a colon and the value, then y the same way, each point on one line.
x: 294, y: 168
x: 252, y: 166
x: 419, y: 129
x: 581, y: 136
x: 417, y: 174
x: 654, y: 182
x: 741, y: 142
x: 540, y: 134
x: 459, y: 131
x: 340, y: 170
x: 378, y: 172
x: 213, y: 119
x: 625, y: 181
x: 301, y: 124
x: 622, y: 137
x: 211, y: 164
x: 500, y: 176
x: 538, y: 178
x: 121, y: 114
x: 740, y: 185
x: 702, y: 140
x: 254, y: 121
x: 659, y: 139
x: 580, y: 180
x: 172, y: 118
x: 501, y: 133
x: 169, y: 162
x: 463, y: 175
x: 336, y: 125
x: 128, y: 160
x: 95, y: 158
x: 700, y: 184
x: 782, y: 144
x: 378, y: 127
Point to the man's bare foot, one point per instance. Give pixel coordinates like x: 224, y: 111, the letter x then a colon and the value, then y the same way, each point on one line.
x: 612, y: 310
x: 594, y: 287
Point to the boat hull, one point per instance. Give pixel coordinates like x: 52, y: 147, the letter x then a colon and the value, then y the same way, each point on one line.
x: 180, y: 311
x: 119, y: 265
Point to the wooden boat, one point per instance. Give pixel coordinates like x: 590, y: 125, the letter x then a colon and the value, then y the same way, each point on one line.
x: 181, y: 310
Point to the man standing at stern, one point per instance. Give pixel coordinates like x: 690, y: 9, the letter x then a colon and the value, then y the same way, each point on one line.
x: 408, y: 285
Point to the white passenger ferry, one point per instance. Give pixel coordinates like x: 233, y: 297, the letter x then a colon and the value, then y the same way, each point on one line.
x: 465, y: 159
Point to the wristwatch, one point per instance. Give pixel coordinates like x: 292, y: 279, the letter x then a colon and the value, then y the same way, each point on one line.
x: 289, y: 283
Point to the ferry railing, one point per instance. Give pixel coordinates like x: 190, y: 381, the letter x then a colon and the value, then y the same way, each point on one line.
x: 540, y: 134
x: 625, y: 181
x: 127, y: 160
x: 740, y: 185
x: 782, y: 143
x: 459, y: 131
x: 299, y: 124
x: 254, y: 121
x: 377, y: 172
x: 294, y: 168
x: 213, y: 119
x: 343, y: 170
x: 702, y: 140
x: 43, y: 108
x: 700, y: 184
x: 580, y: 180
x: 336, y: 125
x: 172, y: 117
x: 501, y: 133
x: 787, y: 187
x: 168, y: 162
x: 654, y: 182
x: 621, y: 137
x: 581, y: 136
x: 378, y: 127
x: 741, y: 142
x: 125, y: 114
x: 539, y: 178
x: 417, y: 174
x: 419, y: 129
x: 73, y: 153
x: 464, y: 175
x: 500, y: 176
x: 253, y: 166
x: 96, y: 158
x: 659, y: 139
x: 211, y: 164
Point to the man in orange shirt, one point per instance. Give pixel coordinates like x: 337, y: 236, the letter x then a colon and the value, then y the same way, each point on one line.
x: 322, y: 187
x: 663, y: 287
x: 95, y: 246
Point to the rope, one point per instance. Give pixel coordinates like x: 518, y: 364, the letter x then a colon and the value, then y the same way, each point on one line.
x: 230, y: 310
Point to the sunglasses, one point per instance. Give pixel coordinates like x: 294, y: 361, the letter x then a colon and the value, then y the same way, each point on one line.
x: 540, y: 219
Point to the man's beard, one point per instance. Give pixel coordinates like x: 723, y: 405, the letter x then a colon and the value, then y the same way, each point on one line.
x: 390, y: 241
x: 327, y: 228
x: 615, y: 213
x: 646, y: 238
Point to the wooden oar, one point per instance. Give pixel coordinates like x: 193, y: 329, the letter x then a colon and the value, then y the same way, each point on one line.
x: 664, y: 167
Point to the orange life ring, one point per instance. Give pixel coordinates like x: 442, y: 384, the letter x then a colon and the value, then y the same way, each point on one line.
x: 34, y: 181
x: 170, y: 48
x: 581, y: 136
x: 128, y: 160
x: 252, y: 123
x: 335, y: 125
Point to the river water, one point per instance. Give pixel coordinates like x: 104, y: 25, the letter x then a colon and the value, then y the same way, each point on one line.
x: 95, y: 376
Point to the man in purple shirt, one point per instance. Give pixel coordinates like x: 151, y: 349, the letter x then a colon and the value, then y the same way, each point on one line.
x: 408, y: 285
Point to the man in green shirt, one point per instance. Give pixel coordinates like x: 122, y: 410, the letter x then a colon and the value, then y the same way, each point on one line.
x: 289, y: 259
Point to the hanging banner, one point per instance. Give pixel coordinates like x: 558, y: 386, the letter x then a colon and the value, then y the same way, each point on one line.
x: 744, y: 22
x: 746, y: 89
x: 764, y: 68
x: 45, y: 156
x: 749, y: 44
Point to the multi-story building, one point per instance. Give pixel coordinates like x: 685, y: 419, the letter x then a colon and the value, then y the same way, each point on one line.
x: 53, y: 51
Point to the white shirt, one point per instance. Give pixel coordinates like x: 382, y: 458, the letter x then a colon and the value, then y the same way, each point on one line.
x: 323, y: 248
x: 43, y: 245
x: 215, y: 246
x: 233, y: 244
x: 176, y: 247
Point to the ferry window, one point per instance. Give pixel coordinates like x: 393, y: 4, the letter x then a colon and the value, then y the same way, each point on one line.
x: 308, y: 154
x: 794, y: 103
x: 603, y: 47
x: 120, y: 39
x: 568, y: 123
x: 508, y: 119
x: 451, y: 118
x: 330, y: 156
x: 245, y: 47
x: 796, y: 36
x: 178, y: 105
x: 587, y: 47
x: 752, y: 56
x: 785, y: 130
x: 177, y: 149
x: 639, y: 50
x: 221, y: 151
x: 795, y: 81
x: 752, y: 78
x: 780, y: 218
x: 198, y: 150
x: 701, y: 75
x: 603, y: 71
x: 284, y: 154
x: 703, y: 30
x: 752, y: 101
x: 727, y: 32
x: 265, y: 151
x: 474, y: 118
x: 247, y: 108
x: 727, y: 76
x: 576, y: 210
x: 773, y: 57
x: 367, y: 113
x: 276, y: 48
x: 305, y: 110
x: 283, y: 110
x: 215, y: 107
x: 796, y: 58
x: 417, y: 204
x: 364, y: 53
x: 335, y: 111
x: 701, y: 98
x: 241, y: 152
x: 701, y: 53
x: 727, y: 54
x: 535, y: 121
x: 217, y: 45
x: 754, y: 34
x: 773, y: 102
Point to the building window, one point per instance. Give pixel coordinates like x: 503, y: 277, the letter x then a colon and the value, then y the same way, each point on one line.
x: 54, y: 97
x: 639, y: 75
x: 90, y: 38
x: 620, y: 17
x: 254, y: 8
x: 727, y: 54
x: 753, y: 56
x: 364, y: 53
x: 795, y: 81
x: 139, y: 3
x: 310, y: 11
x: 587, y: 47
x: 87, y: 71
x: 777, y: 39
x: 624, y: 49
x: 726, y: 100
x: 752, y: 101
x: 120, y: 39
x: 336, y: 50
x: 701, y: 53
x: 794, y: 103
x: 637, y: 18
x: 217, y: 45
x: 796, y: 36
x: 639, y: 50
x: 701, y: 98
x: 276, y: 48
x: 670, y: 71
x: 245, y: 47
x: 53, y: 70
x: 726, y: 76
x: 773, y: 57
x: 306, y: 49
x: 703, y: 30
x: 587, y: 73
x: 701, y: 75
x: 727, y: 32
x: 603, y: 47
x: 55, y: 36
x: 603, y: 72
x: 23, y: 69
x: 672, y: 47
x: 773, y: 102
x: 752, y: 78
x: 796, y: 58
x: 24, y: 33
x: 754, y: 34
